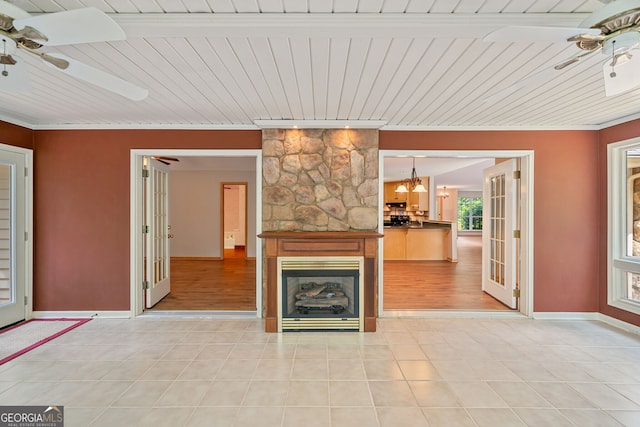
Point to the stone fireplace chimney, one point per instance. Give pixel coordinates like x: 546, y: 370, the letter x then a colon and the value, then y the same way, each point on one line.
x: 320, y: 202
x: 320, y: 180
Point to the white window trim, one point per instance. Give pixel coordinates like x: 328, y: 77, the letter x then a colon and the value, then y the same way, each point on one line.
x: 618, y: 263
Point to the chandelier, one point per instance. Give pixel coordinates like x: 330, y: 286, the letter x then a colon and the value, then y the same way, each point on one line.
x: 415, y: 183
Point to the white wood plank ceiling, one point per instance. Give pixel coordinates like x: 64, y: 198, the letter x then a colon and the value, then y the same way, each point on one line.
x: 414, y: 64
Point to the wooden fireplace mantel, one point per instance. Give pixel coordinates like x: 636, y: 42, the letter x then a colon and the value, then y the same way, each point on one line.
x: 321, y: 243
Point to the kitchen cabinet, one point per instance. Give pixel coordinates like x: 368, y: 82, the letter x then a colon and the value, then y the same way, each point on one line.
x: 395, y: 246
x: 423, y: 203
x: 415, y: 201
x: 425, y: 244
x: 419, y: 201
x: 390, y: 195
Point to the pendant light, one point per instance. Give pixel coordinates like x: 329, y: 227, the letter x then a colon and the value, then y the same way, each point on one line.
x: 414, y: 182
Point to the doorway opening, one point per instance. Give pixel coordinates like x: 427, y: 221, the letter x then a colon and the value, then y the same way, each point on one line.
x: 203, y: 281
x: 417, y: 281
x: 234, y: 219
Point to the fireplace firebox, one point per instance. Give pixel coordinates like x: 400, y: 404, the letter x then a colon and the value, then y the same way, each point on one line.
x: 320, y: 293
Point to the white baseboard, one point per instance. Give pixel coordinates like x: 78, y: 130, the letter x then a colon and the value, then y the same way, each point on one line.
x: 82, y: 314
x: 565, y: 315
x: 452, y: 314
x: 619, y: 323
x: 200, y: 314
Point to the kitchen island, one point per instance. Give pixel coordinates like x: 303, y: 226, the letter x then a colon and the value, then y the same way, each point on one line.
x: 430, y: 240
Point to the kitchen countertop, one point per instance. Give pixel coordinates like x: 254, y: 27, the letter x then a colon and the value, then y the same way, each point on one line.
x: 425, y: 224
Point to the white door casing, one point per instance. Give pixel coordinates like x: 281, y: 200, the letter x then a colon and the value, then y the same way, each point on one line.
x: 157, y: 234
x: 499, y: 246
x: 136, y: 277
x: 15, y: 227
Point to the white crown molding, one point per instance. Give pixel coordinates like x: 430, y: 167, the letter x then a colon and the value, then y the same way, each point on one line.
x: 487, y: 128
x: 333, y: 24
x: 17, y: 122
x: 319, y: 124
x: 147, y: 126
x: 307, y: 124
x: 619, y: 121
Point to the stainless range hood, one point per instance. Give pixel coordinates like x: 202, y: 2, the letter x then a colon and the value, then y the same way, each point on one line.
x: 396, y: 205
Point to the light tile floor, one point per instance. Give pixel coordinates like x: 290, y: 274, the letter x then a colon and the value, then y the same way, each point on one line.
x: 411, y: 372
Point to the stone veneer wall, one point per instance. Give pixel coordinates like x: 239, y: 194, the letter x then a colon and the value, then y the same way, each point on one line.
x: 320, y: 180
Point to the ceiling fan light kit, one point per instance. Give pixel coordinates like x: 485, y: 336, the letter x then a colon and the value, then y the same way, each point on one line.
x: 21, y: 31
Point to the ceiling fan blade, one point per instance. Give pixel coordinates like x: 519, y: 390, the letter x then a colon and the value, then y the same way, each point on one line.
x: 531, y: 34
x: 622, y: 77
x: 85, y: 25
x: 537, y: 77
x: 11, y: 10
x: 171, y: 159
x: 102, y: 79
x: 17, y: 78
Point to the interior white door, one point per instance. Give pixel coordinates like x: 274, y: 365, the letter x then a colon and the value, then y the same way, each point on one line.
x: 13, y: 256
x: 157, y: 232
x: 499, y: 246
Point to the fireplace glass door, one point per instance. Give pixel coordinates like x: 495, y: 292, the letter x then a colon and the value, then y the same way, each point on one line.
x: 320, y: 294
x: 328, y: 293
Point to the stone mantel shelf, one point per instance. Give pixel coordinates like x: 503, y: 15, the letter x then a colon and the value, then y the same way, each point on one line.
x: 320, y: 235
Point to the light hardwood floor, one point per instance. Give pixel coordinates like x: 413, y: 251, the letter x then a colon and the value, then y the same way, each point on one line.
x: 229, y: 284
x: 432, y: 285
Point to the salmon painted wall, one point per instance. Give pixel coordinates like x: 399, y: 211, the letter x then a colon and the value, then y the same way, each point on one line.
x: 566, y: 214
x: 81, y: 196
x: 16, y: 135
x: 607, y: 136
x: 82, y: 200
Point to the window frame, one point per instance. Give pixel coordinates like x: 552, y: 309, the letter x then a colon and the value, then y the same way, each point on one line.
x: 470, y: 195
x: 618, y: 262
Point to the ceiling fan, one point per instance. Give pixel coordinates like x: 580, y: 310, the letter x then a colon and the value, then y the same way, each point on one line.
x: 165, y: 160
x: 20, y: 31
x: 613, y: 30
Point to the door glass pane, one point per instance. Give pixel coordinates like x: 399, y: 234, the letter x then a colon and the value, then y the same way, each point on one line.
x: 7, y: 290
x: 160, y: 226
x: 497, y: 229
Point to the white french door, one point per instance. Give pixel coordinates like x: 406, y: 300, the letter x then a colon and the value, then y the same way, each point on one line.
x: 499, y: 246
x: 15, y: 253
x: 157, y: 229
